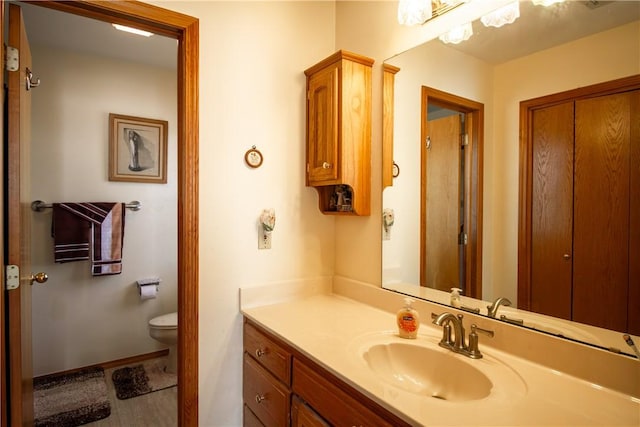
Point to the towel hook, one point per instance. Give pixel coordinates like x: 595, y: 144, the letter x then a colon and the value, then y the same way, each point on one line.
x: 31, y: 81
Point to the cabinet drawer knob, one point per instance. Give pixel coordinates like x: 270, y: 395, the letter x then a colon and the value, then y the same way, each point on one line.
x: 260, y: 398
x: 326, y: 165
x: 260, y: 352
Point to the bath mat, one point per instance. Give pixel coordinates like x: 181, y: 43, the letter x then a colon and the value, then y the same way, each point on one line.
x: 73, y: 399
x: 150, y: 376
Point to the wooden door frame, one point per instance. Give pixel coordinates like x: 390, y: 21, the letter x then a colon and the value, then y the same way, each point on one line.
x: 473, y: 215
x: 525, y: 193
x: 185, y: 29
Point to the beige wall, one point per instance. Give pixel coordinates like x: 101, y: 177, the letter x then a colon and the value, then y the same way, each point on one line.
x: 80, y: 320
x: 252, y: 92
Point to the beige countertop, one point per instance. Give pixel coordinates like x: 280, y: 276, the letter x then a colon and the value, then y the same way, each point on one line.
x: 331, y: 329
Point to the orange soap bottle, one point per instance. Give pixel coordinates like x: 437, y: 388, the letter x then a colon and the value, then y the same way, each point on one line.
x: 408, y: 320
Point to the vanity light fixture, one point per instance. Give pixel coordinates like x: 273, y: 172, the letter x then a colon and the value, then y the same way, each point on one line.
x: 458, y: 34
x: 546, y: 3
x: 502, y: 16
x: 132, y: 30
x: 414, y: 12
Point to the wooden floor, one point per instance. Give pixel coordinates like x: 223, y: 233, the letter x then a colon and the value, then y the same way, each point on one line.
x: 157, y: 409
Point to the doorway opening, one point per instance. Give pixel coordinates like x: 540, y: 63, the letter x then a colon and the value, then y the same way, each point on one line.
x: 184, y: 29
x: 451, y: 192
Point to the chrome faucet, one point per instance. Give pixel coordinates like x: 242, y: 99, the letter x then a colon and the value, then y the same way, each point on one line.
x: 448, y: 320
x: 492, y: 309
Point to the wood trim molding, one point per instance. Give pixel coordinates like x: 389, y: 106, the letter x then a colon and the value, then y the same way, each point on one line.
x: 473, y: 215
x: 186, y: 30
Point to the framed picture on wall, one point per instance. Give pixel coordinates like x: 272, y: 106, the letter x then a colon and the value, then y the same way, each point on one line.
x: 137, y: 149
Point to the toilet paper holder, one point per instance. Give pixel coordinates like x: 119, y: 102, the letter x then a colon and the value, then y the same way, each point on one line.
x: 150, y: 286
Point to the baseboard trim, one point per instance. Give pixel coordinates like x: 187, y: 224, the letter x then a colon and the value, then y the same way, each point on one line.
x: 114, y: 363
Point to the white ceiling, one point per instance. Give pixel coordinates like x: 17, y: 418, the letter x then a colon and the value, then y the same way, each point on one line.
x: 51, y: 28
x: 540, y: 27
x: 537, y: 28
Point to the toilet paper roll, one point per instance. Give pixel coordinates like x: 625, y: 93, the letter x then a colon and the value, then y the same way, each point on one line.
x: 148, y: 292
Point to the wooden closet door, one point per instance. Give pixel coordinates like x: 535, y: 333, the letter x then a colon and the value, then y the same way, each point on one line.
x: 552, y: 210
x: 602, y: 210
x: 633, y: 317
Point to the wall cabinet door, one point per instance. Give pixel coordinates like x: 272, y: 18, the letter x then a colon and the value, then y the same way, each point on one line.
x: 322, y: 122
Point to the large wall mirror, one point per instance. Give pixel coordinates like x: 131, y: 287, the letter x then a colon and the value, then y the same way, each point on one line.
x: 548, y: 50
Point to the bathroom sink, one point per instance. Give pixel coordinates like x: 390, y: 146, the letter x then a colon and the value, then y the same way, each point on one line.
x: 427, y: 371
x: 422, y: 369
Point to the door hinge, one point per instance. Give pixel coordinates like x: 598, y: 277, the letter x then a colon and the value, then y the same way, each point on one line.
x: 464, y: 139
x: 11, y: 59
x: 12, y: 277
x: 427, y: 143
x: 462, y: 238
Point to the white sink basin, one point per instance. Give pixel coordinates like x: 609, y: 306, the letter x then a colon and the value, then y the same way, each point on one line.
x: 427, y: 371
x: 423, y: 369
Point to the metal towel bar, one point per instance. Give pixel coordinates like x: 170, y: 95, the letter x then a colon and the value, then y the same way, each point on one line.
x: 39, y: 206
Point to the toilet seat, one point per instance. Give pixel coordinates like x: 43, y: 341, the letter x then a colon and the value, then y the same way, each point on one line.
x: 165, y: 321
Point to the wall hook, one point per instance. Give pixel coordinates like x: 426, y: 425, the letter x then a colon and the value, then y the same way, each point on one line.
x: 31, y: 81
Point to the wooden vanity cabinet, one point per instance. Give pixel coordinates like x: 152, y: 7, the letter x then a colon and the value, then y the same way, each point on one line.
x: 303, y: 416
x: 339, y: 132
x: 282, y: 387
x: 266, y: 380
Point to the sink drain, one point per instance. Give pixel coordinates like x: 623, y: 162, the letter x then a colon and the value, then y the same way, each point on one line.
x: 435, y: 396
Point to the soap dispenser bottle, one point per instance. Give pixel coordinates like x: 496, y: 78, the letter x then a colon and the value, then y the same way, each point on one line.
x: 408, y: 320
x: 455, y: 297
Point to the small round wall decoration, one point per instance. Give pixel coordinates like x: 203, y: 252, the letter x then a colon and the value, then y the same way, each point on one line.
x: 395, y: 170
x: 253, y: 157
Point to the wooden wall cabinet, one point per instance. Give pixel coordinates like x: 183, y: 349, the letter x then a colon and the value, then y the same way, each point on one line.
x: 283, y: 388
x: 339, y: 133
x: 388, y: 90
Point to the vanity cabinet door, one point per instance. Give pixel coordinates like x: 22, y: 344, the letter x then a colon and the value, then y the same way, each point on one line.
x: 265, y: 396
x: 304, y: 416
x: 334, y: 404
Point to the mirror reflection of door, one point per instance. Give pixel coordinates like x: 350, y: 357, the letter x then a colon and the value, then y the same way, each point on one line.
x: 444, y: 187
x: 584, y: 185
x: 451, y: 184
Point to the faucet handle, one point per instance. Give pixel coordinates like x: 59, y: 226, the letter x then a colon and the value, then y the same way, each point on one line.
x: 474, y: 352
x: 475, y: 329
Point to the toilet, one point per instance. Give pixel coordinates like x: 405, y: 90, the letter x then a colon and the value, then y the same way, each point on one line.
x: 164, y: 329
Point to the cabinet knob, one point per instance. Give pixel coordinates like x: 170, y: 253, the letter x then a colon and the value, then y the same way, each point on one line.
x: 260, y: 398
x: 326, y: 165
x: 260, y: 352
x: 566, y: 257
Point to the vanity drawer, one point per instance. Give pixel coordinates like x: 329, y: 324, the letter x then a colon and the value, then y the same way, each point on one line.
x: 269, y: 354
x: 267, y: 398
x: 331, y: 402
x: 249, y: 419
